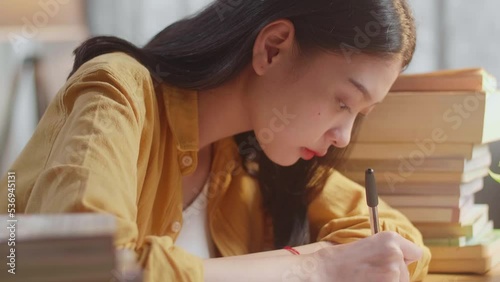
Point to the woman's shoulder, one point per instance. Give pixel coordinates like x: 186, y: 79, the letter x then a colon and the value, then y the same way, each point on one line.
x: 117, y: 76
x: 119, y: 66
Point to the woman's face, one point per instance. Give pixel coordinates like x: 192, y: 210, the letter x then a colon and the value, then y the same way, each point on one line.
x: 298, y: 109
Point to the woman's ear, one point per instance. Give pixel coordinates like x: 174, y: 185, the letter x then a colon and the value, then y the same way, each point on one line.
x: 273, y: 44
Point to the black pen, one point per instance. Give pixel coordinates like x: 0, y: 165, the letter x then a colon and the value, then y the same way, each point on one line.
x: 372, y: 199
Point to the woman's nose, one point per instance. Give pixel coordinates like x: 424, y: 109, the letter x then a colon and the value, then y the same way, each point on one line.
x: 340, y: 136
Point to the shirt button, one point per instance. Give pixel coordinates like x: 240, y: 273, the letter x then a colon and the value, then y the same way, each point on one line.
x: 187, y: 161
x: 176, y: 227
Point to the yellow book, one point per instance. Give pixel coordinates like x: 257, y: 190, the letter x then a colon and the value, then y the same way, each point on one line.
x: 438, y: 201
x: 473, y: 79
x: 483, y: 246
x: 430, y: 188
x: 478, y: 266
x: 58, y: 247
x: 438, y: 214
x: 430, y: 148
x: 471, y: 226
x: 393, y: 178
x: 427, y: 164
x: 443, y: 117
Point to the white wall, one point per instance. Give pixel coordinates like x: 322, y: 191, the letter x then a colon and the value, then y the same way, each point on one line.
x: 138, y: 21
x: 426, y: 56
x: 24, y: 109
x: 49, y: 31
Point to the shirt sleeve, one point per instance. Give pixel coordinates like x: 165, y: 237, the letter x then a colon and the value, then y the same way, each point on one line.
x: 340, y: 215
x: 93, y: 168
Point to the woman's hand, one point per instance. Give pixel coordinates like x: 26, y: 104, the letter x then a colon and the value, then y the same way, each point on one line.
x: 383, y: 257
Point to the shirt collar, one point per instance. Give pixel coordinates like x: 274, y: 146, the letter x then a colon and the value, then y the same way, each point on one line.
x: 181, y: 107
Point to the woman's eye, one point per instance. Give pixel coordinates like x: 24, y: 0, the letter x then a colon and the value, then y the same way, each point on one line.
x: 344, y: 107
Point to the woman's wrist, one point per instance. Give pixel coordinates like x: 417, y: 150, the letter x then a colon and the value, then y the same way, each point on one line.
x: 313, y: 247
x: 293, y: 251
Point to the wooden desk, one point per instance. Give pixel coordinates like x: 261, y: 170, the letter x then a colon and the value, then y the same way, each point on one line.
x: 492, y: 276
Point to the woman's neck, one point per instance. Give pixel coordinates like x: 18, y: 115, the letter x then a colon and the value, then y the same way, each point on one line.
x: 222, y: 112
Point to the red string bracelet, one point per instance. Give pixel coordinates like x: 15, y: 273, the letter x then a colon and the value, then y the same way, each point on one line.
x: 291, y: 250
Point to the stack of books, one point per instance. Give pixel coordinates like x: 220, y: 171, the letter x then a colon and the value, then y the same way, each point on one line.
x: 59, y: 247
x: 428, y: 144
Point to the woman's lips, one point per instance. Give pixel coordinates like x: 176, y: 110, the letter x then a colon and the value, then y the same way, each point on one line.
x: 308, y: 154
x: 321, y: 154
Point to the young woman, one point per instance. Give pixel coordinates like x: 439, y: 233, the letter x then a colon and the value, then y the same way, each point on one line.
x: 214, y: 145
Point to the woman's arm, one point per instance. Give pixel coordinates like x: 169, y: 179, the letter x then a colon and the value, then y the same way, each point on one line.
x: 252, y: 268
x: 303, y: 250
x: 92, y: 167
x: 383, y: 257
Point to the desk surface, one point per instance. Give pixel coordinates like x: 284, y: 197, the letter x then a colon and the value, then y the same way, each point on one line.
x: 492, y: 276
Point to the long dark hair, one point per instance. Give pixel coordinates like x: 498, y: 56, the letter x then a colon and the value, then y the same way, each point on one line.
x: 209, y: 48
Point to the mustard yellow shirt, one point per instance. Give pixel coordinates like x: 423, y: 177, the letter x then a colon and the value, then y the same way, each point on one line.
x: 107, y: 143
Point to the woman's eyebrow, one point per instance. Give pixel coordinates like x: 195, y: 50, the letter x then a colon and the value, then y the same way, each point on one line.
x: 361, y: 89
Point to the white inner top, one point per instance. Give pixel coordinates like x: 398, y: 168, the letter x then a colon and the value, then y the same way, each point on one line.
x: 195, y: 236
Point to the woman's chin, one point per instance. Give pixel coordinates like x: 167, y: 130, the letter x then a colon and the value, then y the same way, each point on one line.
x: 284, y: 160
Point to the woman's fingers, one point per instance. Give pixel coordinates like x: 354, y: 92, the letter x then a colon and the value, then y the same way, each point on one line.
x: 411, y: 252
x: 408, y: 253
x: 404, y: 274
x: 382, y: 257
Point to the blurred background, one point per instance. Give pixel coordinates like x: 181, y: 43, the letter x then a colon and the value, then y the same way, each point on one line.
x: 37, y: 39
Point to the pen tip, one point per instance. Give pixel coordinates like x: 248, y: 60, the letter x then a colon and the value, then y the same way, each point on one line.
x: 371, y: 188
